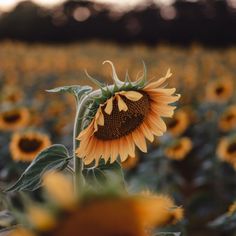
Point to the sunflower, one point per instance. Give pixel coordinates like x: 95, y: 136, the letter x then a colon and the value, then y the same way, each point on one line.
x: 227, y: 150
x: 179, y: 123
x: 232, y: 209
x: 179, y: 149
x: 24, y: 146
x: 220, y: 90
x: 15, y: 118
x: 130, y: 215
x: 123, y: 119
x: 11, y: 94
x: 227, y: 120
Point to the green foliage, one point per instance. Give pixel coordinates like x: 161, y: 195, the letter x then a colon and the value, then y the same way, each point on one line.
x: 55, y: 157
x: 104, y: 173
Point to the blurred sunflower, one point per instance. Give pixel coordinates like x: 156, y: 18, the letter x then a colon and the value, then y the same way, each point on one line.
x: 179, y: 149
x: 179, y: 123
x: 220, y: 90
x: 124, y: 118
x: 135, y: 215
x: 24, y: 146
x: 11, y: 94
x: 15, y: 118
x: 227, y: 120
x: 227, y: 150
x: 232, y: 209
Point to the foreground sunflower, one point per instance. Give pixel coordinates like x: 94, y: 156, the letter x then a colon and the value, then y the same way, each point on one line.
x: 227, y: 150
x: 125, y: 215
x: 24, y: 146
x: 124, y: 116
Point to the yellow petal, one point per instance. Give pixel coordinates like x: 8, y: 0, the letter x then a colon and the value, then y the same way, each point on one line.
x: 100, y: 119
x: 121, y: 104
x: 139, y: 140
x: 158, y: 82
x: 57, y: 185
x: 132, y: 95
x: 41, y: 218
x: 109, y: 106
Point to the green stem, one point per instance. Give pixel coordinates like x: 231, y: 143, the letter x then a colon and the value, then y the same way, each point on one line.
x: 78, y: 127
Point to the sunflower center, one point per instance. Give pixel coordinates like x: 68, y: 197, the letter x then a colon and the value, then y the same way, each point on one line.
x: 121, y: 123
x: 29, y: 145
x: 177, y: 147
x: 232, y: 148
x: 11, y: 117
x: 229, y: 117
x: 173, y: 123
x: 219, y: 90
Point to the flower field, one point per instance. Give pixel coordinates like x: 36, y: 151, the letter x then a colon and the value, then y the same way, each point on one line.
x: 193, y: 162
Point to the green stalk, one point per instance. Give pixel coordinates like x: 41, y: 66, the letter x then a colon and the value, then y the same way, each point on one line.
x: 78, y: 127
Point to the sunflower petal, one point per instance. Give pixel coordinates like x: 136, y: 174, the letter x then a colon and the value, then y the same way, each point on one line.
x: 109, y: 106
x: 139, y: 140
x: 132, y: 95
x: 121, y: 104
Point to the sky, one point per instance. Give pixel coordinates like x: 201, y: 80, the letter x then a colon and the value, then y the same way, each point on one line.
x: 6, y: 5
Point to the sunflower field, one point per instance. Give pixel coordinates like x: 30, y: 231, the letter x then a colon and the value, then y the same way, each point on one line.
x: 185, y: 176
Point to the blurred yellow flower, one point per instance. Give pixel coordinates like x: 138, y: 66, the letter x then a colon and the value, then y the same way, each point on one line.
x: 179, y: 149
x: 179, y: 123
x: 220, y: 90
x: 24, y: 146
x: 226, y: 150
x: 227, y: 120
x: 13, y: 119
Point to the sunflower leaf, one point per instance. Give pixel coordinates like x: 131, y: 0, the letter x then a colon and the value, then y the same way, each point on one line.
x: 76, y: 90
x: 104, y: 173
x: 55, y: 157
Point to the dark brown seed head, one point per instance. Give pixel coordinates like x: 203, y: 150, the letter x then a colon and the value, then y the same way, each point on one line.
x: 121, y: 123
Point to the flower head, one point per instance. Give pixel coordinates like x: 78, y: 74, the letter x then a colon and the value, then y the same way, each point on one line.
x: 179, y: 149
x: 124, y: 117
x: 220, y: 90
x: 24, y: 146
x: 15, y: 118
x: 131, y: 215
x: 227, y: 120
x: 227, y: 150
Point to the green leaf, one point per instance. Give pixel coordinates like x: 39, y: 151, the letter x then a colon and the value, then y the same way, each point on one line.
x: 76, y: 90
x: 104, y: 174
x: 55, y: 157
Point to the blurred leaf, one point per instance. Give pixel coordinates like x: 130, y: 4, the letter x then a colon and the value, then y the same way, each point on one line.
x: 76, y: 90
x: 226, y: 222
x: 55, y: 157
x: 6, y: 219
x: 104, y: 173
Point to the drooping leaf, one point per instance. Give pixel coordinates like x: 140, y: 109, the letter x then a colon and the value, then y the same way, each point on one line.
x: 76, y: 90
x: 55, y: 157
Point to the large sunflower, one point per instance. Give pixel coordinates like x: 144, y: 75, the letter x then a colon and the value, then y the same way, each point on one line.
x: 24, y: 146
x: 125, y: 215
x: 123, y: 119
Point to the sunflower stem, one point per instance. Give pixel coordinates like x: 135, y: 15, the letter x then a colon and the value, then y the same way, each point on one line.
x: 82, y: 106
